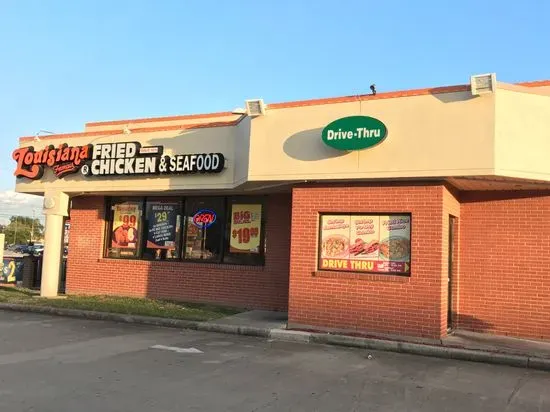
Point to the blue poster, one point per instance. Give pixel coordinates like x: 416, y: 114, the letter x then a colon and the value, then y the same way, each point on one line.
x: 12, y: 270
x: 162, y: 219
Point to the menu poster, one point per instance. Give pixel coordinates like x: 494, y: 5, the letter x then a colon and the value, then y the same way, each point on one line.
x: 335, y: 233
x: 125, y: 234
x: 12, y: 270
x: 162, y: 225
x: 246, y: 224
x: 365, y: 243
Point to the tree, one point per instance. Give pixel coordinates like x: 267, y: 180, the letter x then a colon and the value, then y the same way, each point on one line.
x: 21, y: 229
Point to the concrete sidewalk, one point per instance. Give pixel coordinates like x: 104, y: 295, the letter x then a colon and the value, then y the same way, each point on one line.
x: 272, y: 325
x: 276, y: 323
x: 495, y: 343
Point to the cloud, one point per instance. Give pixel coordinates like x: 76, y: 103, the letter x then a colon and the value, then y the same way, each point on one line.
x: 13, y: 203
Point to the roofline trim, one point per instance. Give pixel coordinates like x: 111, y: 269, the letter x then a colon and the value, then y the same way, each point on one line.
x: 282, y: 105
x: 390, y: 95
x: 536, y: 83
x: 134, y: 130
x: 159, y: 119
x: 378, y: 96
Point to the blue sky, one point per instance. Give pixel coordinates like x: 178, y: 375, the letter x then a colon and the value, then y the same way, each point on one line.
x: 64, y: 63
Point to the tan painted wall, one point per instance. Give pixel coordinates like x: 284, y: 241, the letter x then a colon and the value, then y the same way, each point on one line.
x: 429, y: 136
x: 241, y: 151
x: 522, y: 135
x: 433, y: 135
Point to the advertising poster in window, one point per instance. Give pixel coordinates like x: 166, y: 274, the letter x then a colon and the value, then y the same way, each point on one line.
x: 162, y: 227
x: 125, y: 233
x: 246, y: 224
x: 12, y: 270
x: 365, y: 243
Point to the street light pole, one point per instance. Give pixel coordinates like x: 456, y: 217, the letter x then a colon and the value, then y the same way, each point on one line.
x: 15, y: 233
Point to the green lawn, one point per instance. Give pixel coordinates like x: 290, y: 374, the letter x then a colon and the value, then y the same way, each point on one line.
x: 129, y: 306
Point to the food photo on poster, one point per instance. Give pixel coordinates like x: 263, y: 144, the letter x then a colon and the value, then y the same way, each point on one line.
x: 365, y: 243
x: 125, y: 233
x: 246, y: 224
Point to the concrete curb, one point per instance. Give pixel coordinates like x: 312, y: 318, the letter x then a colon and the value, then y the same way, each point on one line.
x: 522, y: 361
x: 233, y: 329
x: 89, y: 314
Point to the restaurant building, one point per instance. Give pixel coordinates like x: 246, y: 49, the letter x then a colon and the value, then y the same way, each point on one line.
x: 404, y: 214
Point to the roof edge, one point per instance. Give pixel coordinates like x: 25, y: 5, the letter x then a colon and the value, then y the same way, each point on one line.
x: 282, y: 105
x: 134, y: 130
x: 159, y: 119
x: 378, y: 96
x: 536, y: 83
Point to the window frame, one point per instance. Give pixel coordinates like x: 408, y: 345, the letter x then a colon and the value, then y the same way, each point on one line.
x: 219, y: 260
x: 260, y: 257
x: 320, y: 241
x: 109, y: 218
x: 179, y: 237
x: 183, y: 201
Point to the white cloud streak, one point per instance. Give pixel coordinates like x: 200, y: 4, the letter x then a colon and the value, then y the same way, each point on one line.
x: 13, y: 203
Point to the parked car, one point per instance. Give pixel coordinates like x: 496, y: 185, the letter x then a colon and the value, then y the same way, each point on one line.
x: 22, y: 249
x: 37, y: 250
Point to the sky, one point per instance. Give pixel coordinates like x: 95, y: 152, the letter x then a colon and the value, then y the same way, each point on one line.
x: 64, y: 63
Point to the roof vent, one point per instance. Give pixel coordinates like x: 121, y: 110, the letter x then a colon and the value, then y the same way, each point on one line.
x: 483, y: 83
x: 255, y: 107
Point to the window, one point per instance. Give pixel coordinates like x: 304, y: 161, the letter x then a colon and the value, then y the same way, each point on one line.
x: 204, y: 226
x: 200, y: 229
x: 245, y: 236
x: 124, y: 228
x: 162, y: 229
x: 373, y: 243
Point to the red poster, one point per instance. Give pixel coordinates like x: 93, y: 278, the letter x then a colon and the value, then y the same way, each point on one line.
x: 365, y: 243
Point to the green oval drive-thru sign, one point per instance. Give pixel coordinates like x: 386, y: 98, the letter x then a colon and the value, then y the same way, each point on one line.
x: 354, y: 133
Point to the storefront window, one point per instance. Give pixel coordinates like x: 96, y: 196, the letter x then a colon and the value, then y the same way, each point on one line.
x: 371, y: 243
x: 204, y: 228
x: 163, y: 229
x: 124, y: 237
x: 245, y: 235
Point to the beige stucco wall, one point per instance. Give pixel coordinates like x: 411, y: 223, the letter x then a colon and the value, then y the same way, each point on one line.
x: 241, y: 151
x: 432, y: 135
x: 522, y: 133
x: 429, y: 136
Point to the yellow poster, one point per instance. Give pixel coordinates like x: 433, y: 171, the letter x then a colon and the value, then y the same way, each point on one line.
x: 125, y: 225
x: 246, y: 225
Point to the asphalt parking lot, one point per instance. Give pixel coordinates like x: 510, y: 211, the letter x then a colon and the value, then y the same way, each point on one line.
x: 61, y: 364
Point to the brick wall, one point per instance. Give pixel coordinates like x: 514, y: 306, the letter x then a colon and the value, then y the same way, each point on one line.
x: 384, y: 304
x: 244, y: 286
x: 505, y: 264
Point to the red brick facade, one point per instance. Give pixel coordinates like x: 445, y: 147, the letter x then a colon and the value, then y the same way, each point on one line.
x: 386, y: 304
x: 500, y: 266
x: 505, y: 264
x: 244, y: 286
